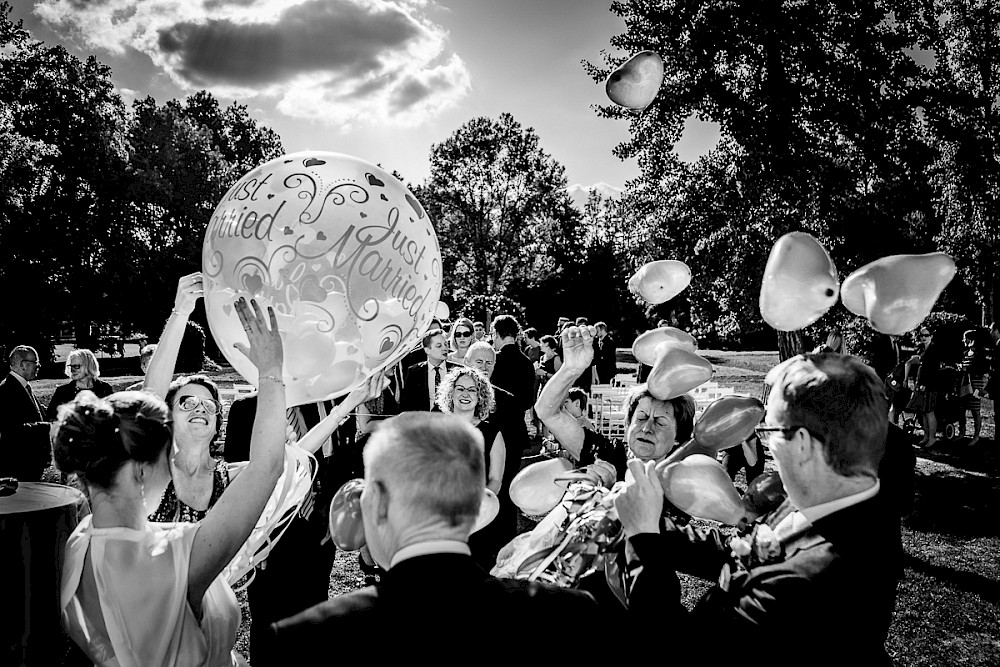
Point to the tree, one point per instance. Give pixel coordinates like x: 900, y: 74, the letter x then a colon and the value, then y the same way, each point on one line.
x: 815, y: 103
x: 500, y: 208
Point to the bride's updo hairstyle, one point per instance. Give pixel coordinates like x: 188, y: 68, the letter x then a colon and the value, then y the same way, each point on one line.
x: 94, y: 437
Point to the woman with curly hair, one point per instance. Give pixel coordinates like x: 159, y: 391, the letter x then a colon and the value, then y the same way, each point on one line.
x: 84, y: 372
x: 467, y: 393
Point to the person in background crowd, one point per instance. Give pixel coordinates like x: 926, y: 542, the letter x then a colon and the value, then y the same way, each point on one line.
x: 422, y: 379
x: 832, y: 555
x: 976, y: 363
x: 928, y: 382
x: 532, y: 347
x: 417, y: 354
x: 834, y: 343
x: 560, y: 325
x: 582, y: 321
x: 462, y: 332
x: 480, y: 329
x: 605, y: 355
x: 145, y: 356
x: 24, y: 433
x: 423, y: 488
x: 551, y: 359
x: 84, y: 372
x: 513, y: 371
x: 576, y: 405
x: 993, y: 384
x: 468, y: 394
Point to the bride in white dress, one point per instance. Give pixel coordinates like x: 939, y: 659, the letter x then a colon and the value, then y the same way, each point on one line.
x: 136, y: 593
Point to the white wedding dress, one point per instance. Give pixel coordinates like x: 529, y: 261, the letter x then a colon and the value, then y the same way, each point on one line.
x: 131, y: 608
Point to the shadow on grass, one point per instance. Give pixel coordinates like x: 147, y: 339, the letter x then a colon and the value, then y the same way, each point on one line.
x: 949, y: 502
x: 984, y: 457
x: 970, y: 582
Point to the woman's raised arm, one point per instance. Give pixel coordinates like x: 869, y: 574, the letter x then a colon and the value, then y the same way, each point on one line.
x: 161, y: 366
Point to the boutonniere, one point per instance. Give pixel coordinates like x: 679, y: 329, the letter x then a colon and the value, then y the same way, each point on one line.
x: 761, y: 547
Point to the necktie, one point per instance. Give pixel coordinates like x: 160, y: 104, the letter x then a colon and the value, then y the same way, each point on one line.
x: 437, y: 381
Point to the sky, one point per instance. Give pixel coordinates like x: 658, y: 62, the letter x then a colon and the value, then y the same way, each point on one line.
x: 382, y: 80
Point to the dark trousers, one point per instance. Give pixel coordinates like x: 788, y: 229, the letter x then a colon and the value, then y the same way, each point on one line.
x: 295, y: 576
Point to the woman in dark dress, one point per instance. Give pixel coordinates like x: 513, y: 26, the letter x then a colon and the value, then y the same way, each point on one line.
x: 84, y: 373
x: 927, y: 382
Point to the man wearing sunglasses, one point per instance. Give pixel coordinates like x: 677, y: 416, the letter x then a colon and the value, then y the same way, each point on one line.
x: 820, y: 581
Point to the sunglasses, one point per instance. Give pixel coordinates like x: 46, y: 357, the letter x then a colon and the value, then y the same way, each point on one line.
x: 189, y: 403
x: 463, y: 334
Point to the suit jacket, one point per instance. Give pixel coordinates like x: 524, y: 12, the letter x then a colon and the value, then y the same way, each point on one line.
x: 65, y: 393
x: 24, y: 434
x: 827, y: 599
x: 516, y: 374
x: 441, y: 605
x: 605, y: 359
x: 415, y: 397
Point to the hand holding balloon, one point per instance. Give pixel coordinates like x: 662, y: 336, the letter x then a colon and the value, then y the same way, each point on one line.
x: 640, y: 503
x: 189, y: 290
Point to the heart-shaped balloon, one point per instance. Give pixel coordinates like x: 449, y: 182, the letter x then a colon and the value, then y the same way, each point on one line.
x: 534, y: 488
x: 677, y: 371
x: 764, y: 494
x: 636, y: 82
x: 700, y: 486
x: 489, y: 507
x: 728, y: 421
x: 658, y: 282
x: 896, y: 293
x: 646, y: 347
x: 346, y: 528
x: 800, y: 283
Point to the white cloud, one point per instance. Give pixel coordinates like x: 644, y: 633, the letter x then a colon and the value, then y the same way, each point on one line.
x: 340, y: 61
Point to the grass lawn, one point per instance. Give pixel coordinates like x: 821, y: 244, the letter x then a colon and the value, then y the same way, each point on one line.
x: 948, y: 609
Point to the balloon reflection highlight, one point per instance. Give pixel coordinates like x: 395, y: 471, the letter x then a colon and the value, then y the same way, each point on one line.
x: 658, y: 282
x: 896, y: 293
x: 800, y: 283
x: 700, y: 486
x: 635, y: 84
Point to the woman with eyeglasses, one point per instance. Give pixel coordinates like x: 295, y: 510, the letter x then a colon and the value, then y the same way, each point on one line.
x: 197, y: 478
x: 84, y: 373
x: 467, y: 393
x: 462, y: 332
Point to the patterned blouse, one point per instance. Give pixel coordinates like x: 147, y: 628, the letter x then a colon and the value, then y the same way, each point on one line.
x: 173, y: 509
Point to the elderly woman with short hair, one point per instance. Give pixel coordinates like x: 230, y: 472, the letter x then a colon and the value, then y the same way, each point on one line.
x: 84, y: 373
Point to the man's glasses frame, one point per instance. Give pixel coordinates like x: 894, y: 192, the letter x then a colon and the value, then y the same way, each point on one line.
x: 764, y: 433
x: 189, y: 403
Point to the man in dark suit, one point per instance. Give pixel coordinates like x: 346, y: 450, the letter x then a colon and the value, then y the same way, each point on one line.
x: 424, y: 481
x: 513, y: 371
x: 817, y: 579
x: 605, y: 357
x: 421, y: 379
x: 24, y: 433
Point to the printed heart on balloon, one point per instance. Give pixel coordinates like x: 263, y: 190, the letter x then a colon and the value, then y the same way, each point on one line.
x: 314, y: 162
x: 800, y: 283
x: 373, y: 180
x: 415, y: 205
x: 253, y: 283
x: 310, y: 290
x: 896, y: 293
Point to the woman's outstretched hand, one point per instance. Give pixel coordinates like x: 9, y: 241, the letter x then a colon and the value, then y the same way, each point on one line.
x: 265, y: 349
x: 189, y: 289
x: 369, y: 389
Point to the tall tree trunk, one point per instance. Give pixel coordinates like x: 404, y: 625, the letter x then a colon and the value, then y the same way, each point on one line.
x: 789, y: 344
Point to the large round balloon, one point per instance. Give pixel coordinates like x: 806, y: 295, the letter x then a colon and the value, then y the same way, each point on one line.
x: 344, y: 254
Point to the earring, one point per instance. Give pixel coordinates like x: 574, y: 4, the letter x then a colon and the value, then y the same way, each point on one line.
x: 142, y: 493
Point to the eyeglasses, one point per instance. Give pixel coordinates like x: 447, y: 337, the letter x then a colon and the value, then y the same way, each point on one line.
x: 189, y: 403
x: 463, y: 334
x: 465, y: 390
x: 74, y: 367
x: 765, y: 433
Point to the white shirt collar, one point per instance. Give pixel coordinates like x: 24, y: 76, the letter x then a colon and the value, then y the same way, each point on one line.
x: 817, y: 512
x: 430, y: 547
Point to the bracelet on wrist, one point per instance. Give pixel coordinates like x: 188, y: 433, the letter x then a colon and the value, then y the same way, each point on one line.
x: 271, y: 377
x: 174, y: 311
